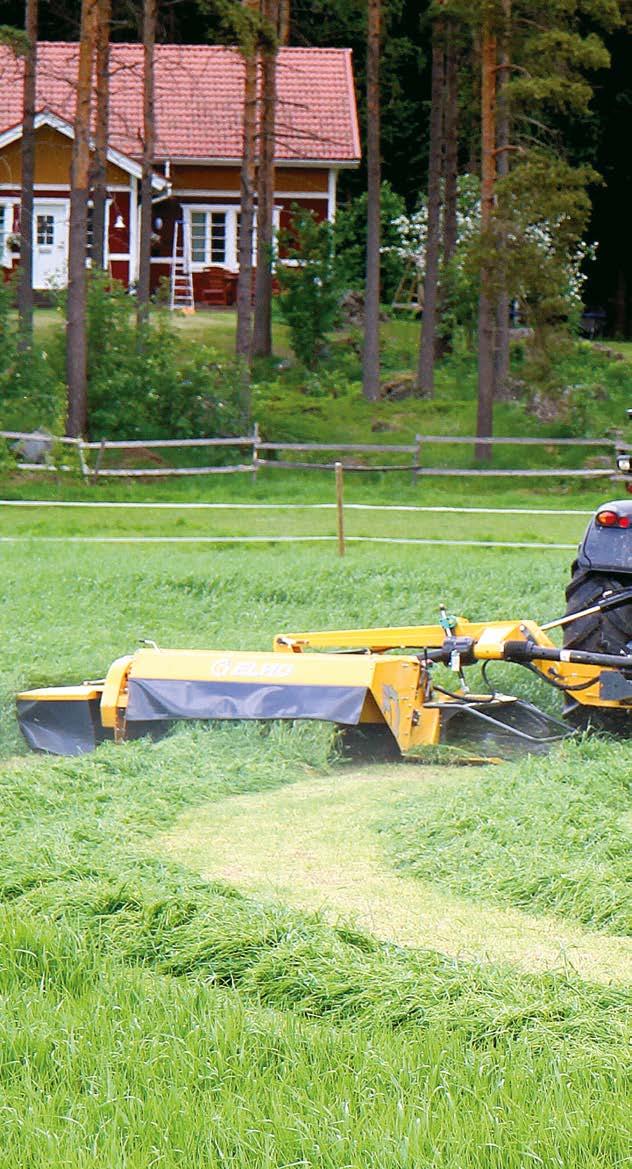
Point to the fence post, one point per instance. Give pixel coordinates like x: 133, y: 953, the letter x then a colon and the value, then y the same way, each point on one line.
x: 340, y: 513
x: 416, y: 459
x: 85, y: 470
x: 255, y: 451
x: 98, y: 460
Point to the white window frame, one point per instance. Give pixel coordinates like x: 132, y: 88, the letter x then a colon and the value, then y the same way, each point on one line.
x: 231, y: 210
x: 8, y: 205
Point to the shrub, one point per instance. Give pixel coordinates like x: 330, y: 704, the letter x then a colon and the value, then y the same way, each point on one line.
x: 309, y: 297
x: 147, y: 386
x: 31, y: 392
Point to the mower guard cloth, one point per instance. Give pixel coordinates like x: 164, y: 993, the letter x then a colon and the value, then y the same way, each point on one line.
x: 189, y: 684
x: 169, y: 698
x: 62, y: 721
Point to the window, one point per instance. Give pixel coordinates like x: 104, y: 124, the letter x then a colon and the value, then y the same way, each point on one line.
x: 214, y: 234
x: 208, y: 237
x: 45, y: 231
x: 198, y: 237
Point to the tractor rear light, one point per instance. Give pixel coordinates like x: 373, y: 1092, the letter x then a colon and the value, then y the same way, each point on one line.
x: 607, y: 519
x: 612, y: 519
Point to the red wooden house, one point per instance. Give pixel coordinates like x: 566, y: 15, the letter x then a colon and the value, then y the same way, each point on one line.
x: 199, y: 100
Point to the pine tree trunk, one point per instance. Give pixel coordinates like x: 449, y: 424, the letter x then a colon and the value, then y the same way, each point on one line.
x: 247, y: 201
x: 501, y: 353
x: 25, y: 279
x: 450, y: 175
x: 425, y: 371
x: 371, y: 348
x: 76, y: 342
x: 284, y: 22
x: 262, y: 327
x: 486, y: 305
x: 99, y: 175
x: 150, y: 14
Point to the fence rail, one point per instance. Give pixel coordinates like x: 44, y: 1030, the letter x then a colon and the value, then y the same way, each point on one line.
x: 41, y: 446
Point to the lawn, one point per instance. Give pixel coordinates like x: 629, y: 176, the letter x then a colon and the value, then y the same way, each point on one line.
x: 232, y: 948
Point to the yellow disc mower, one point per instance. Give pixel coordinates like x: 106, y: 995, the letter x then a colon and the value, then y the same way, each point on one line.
x: 391, y: 680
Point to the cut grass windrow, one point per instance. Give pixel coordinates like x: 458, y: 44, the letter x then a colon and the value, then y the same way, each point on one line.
x: 554, y: 835
x: 315, y: 845
x: 72, y: 834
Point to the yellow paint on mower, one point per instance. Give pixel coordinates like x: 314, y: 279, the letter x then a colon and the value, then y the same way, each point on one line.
x: 351, y: 678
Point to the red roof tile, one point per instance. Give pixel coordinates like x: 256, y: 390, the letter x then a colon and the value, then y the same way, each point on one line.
x: 199, y: 94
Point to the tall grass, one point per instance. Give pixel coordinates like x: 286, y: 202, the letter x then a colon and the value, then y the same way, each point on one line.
x: 133, y: 1069
x: 551, y: 834
x: 150, y: 1019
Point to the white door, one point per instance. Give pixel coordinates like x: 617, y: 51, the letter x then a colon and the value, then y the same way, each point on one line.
x: 50, y: 244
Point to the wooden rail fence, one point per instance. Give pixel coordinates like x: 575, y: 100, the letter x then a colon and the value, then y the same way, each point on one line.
x: 90, y: 455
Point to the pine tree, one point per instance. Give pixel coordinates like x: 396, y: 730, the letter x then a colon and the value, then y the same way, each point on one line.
x: 25, y: 278
x: 425, y: 371
x: 371, y: 348
x: 76, y: 342
x: 150, y: 19
x: 486, y: 316
x: 262, y: 327
x: 99, y: 172
x: 248, y: 35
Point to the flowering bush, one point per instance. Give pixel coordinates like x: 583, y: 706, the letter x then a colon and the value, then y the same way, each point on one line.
x: 545, y: 266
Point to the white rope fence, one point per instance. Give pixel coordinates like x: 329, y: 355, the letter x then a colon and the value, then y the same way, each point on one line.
x: 291, y: 507
x: 282, y: 538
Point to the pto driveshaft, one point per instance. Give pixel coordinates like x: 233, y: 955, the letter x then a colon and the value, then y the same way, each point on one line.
x: 467, y: 650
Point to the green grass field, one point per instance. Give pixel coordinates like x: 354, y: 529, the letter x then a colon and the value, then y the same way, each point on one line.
x: 232, y: 948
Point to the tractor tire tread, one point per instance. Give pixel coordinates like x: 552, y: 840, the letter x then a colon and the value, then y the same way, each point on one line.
x: 608, y: 632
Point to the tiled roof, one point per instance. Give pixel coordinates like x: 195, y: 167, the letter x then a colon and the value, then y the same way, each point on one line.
x: 199, y: 95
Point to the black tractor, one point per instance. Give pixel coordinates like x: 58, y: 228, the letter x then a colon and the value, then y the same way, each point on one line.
x: 601, y: 585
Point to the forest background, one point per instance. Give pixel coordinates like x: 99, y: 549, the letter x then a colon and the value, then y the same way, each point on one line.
x: 580, y: 80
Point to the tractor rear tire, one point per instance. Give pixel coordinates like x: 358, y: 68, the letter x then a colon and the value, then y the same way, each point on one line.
x: 609, y: 632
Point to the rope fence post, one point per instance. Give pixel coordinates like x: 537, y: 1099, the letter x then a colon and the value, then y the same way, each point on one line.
x: 340, y: 511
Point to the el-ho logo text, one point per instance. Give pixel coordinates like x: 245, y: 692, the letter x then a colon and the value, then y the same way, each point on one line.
x: 250, y: 668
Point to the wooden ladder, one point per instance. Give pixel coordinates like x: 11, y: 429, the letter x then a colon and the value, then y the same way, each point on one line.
x: 181, y: 281
x: 409, y: 293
